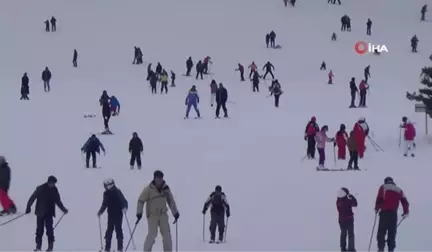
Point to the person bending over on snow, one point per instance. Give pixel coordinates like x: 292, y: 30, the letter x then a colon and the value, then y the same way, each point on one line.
x: 90, y: 148
x: 114, y: 106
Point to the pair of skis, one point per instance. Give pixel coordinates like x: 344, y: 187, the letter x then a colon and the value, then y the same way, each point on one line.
x: 337, y: 169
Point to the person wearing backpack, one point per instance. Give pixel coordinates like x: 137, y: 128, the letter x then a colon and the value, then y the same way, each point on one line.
x: 219, y: 207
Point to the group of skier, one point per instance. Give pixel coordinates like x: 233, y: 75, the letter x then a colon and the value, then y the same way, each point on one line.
x: 270, y: 39
x: 53, y: 22
x: 25, y: 87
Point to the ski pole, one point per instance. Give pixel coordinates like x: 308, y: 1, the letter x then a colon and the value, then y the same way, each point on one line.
x: 130, y: 239
x: 400, y: 137
x: 100, y: 234
x: 11, y: 220
x: 400, y: 222
x: 58, y: 222
x: 334, y: 154
x: 226, y: 229
x: 373, y: 230
x: 130, y: 230
x: 176, y: 236
x: 203, y: 231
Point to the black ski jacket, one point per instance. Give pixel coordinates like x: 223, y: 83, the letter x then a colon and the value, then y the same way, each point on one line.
x: 114, y: 201
x: 135, y: 145
x: 46, y: 199
x: 221, y: 95
x: 46, y: 75
x: 5, y: 176
x: 218, y: 203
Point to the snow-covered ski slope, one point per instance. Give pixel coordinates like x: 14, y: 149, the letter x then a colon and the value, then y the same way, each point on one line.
x: 278, y: 201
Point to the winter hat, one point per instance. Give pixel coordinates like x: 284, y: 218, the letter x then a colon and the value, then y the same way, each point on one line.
x: 404, y: 119
x: 52, y: 179
x: 218, y: 188
x: 158, y: 174
x: 342, y: 127
x: 325, y: 127
x: 343, y: 192
x: 388, y: 180
x: 313, y: 119
x: 362, y: 119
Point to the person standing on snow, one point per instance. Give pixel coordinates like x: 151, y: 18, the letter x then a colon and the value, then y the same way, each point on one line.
x: 164, y: 81
x: 5, y: 180
x: 104, y: 101
x: 364, y: 87
x: 268, y: 67
x: 361, y: 131
x: 92, y: 146
x: 116, y: 205
x: 386, y: 206
x: 354, y: 91
x: 345, y: 202
x: 255, y: 81
x: 369, y: 27
x: 267, y: 39
x: 276, y: 91
x: 206, y: 62
x: 253, y: 69
x: 367, y: 73
x: 219, y: 206
x: 321, y: 139
x: 53, y: 22
x: 46, y: 77
x: 213, y: 89
x: 75, y: 58
x: 192, y: 100
x: 157, y: 195
x: 409, y: 136
x: 189, y: 65
x: 25, y: 88
x: 221, y: 99
x: 272, y: 39
x: 311, y: 130
x: 341, y: 142
x: 241, y: 70
x: 47, y: 25
x: 352, y: 147
x: 330, y: 77
x: 135, y: 149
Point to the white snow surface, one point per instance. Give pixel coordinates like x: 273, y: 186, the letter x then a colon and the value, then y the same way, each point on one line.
x: 278, y: 201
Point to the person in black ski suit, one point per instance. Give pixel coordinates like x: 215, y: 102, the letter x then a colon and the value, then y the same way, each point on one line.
x: 272, y: 39
x: 53, y: 24
x: 367, y: 73
x: 323, y: 66
x: 47, y: 25
x: 344, y: 21
x: 414, y: 43
x: 135, y: 149
x: 344, y: 203
x: 423, y: 12
x: 354, y: 91
x: 221, y: 99
x: 25, y: 89
x: 5, y: 180
x: 46, y: 197
x: 255, y: 81
x: 241, y: 70
x: 135, y: 55
x: 158, y: 69
x: 106, y: 110
x: 311, y: 130
x: 199, y: 70
x: 153, y: 82
x: 75, y: 58
x: 92, y: 146
x: 267, y: 39
x: 268, y: 67
x: 116, y: 205
x: 149, y: 71
x: 369, y: 27
x: 139, y: 56
x: 173, y: 77
x: 219, y: 207
x: 276, y: 91
x: 46, y: 77
x: 189, y: 65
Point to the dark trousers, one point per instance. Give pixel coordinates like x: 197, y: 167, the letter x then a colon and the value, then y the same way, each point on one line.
x: 91, y: 154
x: 353, y: 97
x: 153, y: 89
x: 135, y: 156
x: 387, y: 225
x: 423, y: 16
x: 339, y: 2
x: 272, y: 44
x: 44, y: 223
x: 255, y: 87
x: 321, y: 153
x: 188, y: 70
x: 47, y: 87
x: 347, y: 229
x: 268, y: 72
x: 199, y: 74
x: 362, y: 98
x: 366, y: 77
x: 218, y: 107
x: 251, y: 73
x: 368, y: 31
x: 75, y: 63
x: 205, y: 68
x: 53, y: 27
x: 276, y: 97
x: 353, y: 159
x: 164, y: 86
x: 242, y: 76
x: 311, y: 146
x: 47, y: 28
x: 172, y: 82
x: 217, y: 220
x: 114, y: 223
x: 106, y: 120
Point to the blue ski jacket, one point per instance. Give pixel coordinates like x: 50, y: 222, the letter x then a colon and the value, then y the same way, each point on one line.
x: 192, y: 98
x: 114, y: 102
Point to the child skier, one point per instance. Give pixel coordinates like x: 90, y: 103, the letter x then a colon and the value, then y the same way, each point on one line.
x: 409, y: 136
x: 116, y: 205
x: 192, y: 100
x: 345, y: 202
x: 90, y: 148
x: 114, y: 106
x: 213, y: 89
x: 341, y: 141
x: 219, y: 206
x: 321, y: 139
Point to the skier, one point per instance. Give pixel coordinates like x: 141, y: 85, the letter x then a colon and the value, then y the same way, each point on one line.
x: 285, y: 2
x: 348, y: 23
x: 221, y: 99
x: 149, y: 71
x: 135, y: 149
x: 409, y: 136
x: 92, y: 146
x: 367, y: 73
x: 5, y: 180
x: 345, y: 202
x: 323, y: 66
x: 423, y: 12
x: 268, y: 67
x: 293, y: 2
x: 206, y: 62
x: 53, y: 22
x: 253, y: 69
x: 114, y: 106
x: 272, y: 39
x: 364, y: 87
x: 276, y: 91
x: 219, y: 207
x: 199, y: 70
x: 106, y: 111
x: 267, y: 39
x: 369, y: 27
x: 414, y: 43
x: 311, y: 130
x: 333, y: 37
x: 116, y: 205
x: 330, y: 77
x: 341, y: 142
x: 158, y: 69
x: 157, y: 195
x: 47, y: 197
x: 213, y: 90
x: 136, y: 56
x: 352, y: 147
x: 139, y: 56
x: 164, y: 81
x: 361, y: 131
x: 173, y: 77
x: 189, y: 65
x: 47, y: 25
x: 386, y: 205
x: 192, y: 100
x: 75, y: 58
x: 344, y: 21
x: 354, y: 91
x: 46, y: 77
x: 241, y: 70
x: 255, y: 81
x: 153, y: 81
x: 25, y: 89
x: 321, y: 138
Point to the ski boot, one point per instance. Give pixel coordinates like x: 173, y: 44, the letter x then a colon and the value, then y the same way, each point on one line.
x: 356, y: 168
x: 212, y: 241
x: 139, y: 167
x: 119, y: 245
x: 12, y: 209
x: 212, y: 238
x: 50, y: 247
x: 3, y: 212
x: 131, y: 167
x: 349, y: 168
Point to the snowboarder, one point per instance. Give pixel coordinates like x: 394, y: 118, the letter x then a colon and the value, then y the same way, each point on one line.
x: 149, y: 71
x: 369, y: 27
x: 409, y: 136
x: 323, y: 66
x: 221, y: 99
x: 157, y: 195
x: 75, y: 58
x: 361, y: 131
x: 158, y: 69
x: 354, y: 91
x: 5, y: 179
x: 92, y: 146
x: 255, y: 81
x: 330, y: 77
x: 423, y: 12
x: 353, y: 151
x: 414, y: 43
x: 192, y: 100
x: 268, y: 67
x: 164, y: 81
x: 364, y: 87
x: 321, y: 139
x: 46, y: 77
x: 116, y: 205
x: 189, y: 65
x: 272, y: 39
x: 199, y: 70
x: 276, y: 91
x: 153, y: 82
x: 241, y: 70
x: 47, y: 25
x: 333, y: 37
x: 386, y: 205
x: 219, y: 207
x: 53, y: 22
x: 267, y: 39
x: 344, y: 203
x: 253, y: 69
x: 173, y: 77
x: 135, y: 149
x: 106, y: 110
x: 47, y: 197
x: 213, y: 90
x: 25, y: 89
x: 367, y: 73
x: 341, y: 142
x: 311, y: 130
x: 206, y: 62
x: 114, y: 106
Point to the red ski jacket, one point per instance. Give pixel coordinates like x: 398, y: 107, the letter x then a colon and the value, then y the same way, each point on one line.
x: 341, y: 138
x: 388, y: 198
x: 344, y: 206
x: 410, y: 131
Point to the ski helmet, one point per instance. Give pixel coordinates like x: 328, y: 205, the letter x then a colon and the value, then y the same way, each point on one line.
x: 108, y: 183
x: 388, y: 180
x: 362, y: 119
x: 343, y: 192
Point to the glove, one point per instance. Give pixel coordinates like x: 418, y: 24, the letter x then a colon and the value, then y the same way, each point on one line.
x: 176, y: 217
x: 99, y: 213
x: 228, y: 214
x: 334, y: 144
x: 349, y: 196
x: 28, y: 210
x: 405, y: 215
x: 139, y: 216
x: 124, y: 210
x: 65, y: 211
x: 203, y: 211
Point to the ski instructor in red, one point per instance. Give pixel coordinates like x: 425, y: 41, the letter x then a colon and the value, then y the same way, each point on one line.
x: 361, y: 131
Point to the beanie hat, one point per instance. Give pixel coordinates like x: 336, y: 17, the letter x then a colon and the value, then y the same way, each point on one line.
x: 158, y: 174
x: 52, y: 179
x: 218, y: 188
